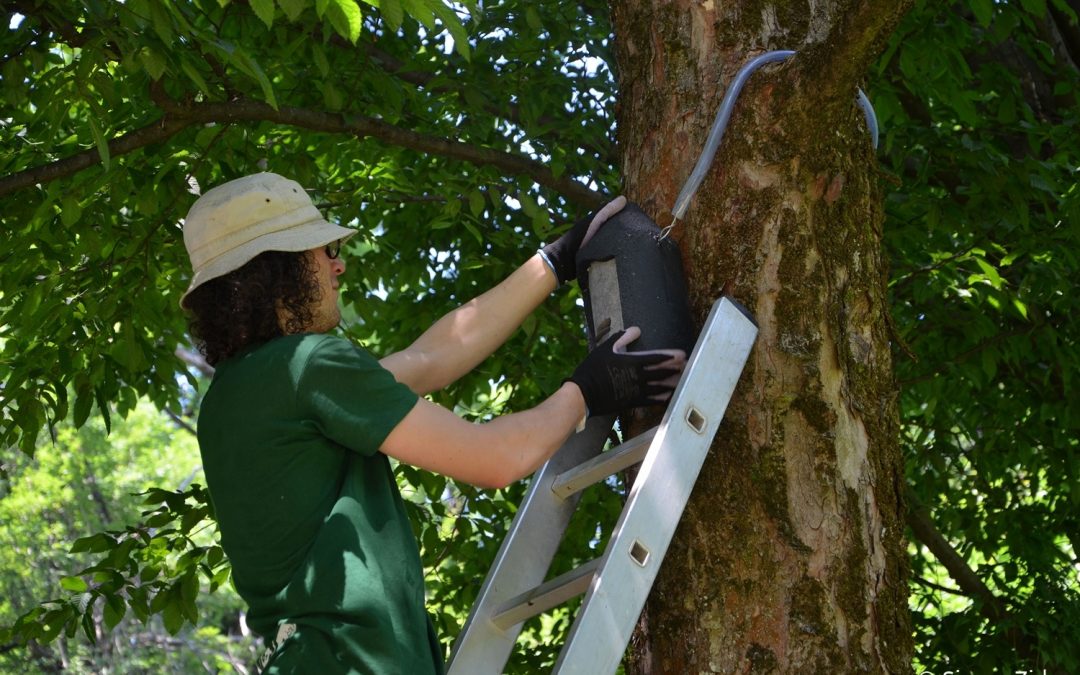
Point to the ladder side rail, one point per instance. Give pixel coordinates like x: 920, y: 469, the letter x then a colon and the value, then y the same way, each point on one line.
x: 525, y: 555
x: 631, y: 561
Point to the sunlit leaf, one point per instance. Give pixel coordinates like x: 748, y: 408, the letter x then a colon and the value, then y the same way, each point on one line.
x: 346, y: 18
x: 264, y: 9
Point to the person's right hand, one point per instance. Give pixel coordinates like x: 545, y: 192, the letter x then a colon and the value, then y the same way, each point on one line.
x: 612, y: 379
x: 560, y: 253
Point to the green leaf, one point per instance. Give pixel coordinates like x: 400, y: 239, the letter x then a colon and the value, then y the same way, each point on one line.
x: 137, y: 602
x: 153, y: 62
x: 53, y: 622
x: 346, y: 18
x: 74, y: 584
x: 149, y: 573
x: 1036, y: 7
x: 162, y: 599
x: 70, y: 210
x: 421, y: 11
x: 989, y: 364
x: 214, y: 556
x: 332, y: 97
x: 163, y: 24
x: 528, y: 204
x: 541, y: 223
x: 983, y: 11
x: 990, y: 271
x: 189, y: 591
x: 84, y: 400
x: 195, y: 76
x: 1063, y: 7
x: 101, y: 142
x: 318, y: 54
x: 457, y: 31
x: 476, y: 202
x: 293, y: 8
x: 87, y: 620
x: 264, y: 9
x: 532, y: 18
x: 95, y: 543
x: 392, y: 12
x: 103, y: 408
x: 221, y: 577
x: 113, y: 611
x: 473, y: 231
x: 172, y: 615
x: 246, y: 63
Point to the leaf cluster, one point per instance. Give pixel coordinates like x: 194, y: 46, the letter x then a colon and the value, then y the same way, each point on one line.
x: 155, y: 567
x: 980, y: 106
x: 89, y: 482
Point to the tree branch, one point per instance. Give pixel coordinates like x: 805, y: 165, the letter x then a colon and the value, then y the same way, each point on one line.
x: 905, y: 278
x: 194, y: 360
x: 180, y: 116
x: 854, y: 38
x: 918, y: 518
x: 990, y: 606
x: 181, y: 422
x: 161, y: 130
x: 938, y: 587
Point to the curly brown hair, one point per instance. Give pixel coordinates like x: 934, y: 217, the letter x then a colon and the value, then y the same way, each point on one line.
x: 245, y: 307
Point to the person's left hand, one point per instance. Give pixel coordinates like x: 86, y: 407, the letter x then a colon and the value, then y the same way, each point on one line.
x: 560, y: 253
x: 613, y: 379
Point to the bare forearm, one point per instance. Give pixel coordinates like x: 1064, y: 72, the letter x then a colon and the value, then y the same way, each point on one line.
x: 488, y: 455
x: 459, y: 341
x: 532, y: 436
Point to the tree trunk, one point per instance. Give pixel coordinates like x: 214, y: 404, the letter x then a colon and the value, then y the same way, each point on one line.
x: 790, y: 555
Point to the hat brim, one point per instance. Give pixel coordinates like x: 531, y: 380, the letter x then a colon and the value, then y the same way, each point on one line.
x: 303, y: 237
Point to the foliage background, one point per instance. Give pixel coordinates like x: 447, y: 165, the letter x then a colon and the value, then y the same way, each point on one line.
x: 86, y: 483
x: 456, y: 138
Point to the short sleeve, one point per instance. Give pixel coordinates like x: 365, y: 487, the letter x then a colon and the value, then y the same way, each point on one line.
x: 350, y: 396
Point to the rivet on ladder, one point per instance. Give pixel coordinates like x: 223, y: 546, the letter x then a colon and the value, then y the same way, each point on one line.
x: 639, y: 553
x: 696, y: 420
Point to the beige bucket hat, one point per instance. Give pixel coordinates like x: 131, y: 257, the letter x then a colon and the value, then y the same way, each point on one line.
x: 236, y: 221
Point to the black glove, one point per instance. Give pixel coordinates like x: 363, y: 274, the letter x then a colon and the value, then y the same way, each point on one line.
x: 560, y: 253
x: 612, y: 379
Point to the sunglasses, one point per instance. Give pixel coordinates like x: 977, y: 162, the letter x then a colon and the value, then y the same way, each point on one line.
x: 333, y: 249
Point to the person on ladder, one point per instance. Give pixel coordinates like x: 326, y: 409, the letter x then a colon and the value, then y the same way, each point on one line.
x: 298, y: 425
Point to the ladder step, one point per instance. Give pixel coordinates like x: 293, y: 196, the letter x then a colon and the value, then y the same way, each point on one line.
x: 603, y: 465
x: 545, y: 596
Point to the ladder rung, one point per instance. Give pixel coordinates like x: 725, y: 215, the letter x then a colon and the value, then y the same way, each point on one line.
x: 603, y: 465
x: 545, y: 596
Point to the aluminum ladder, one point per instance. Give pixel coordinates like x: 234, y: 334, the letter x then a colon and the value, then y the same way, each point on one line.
x: 617, y: 583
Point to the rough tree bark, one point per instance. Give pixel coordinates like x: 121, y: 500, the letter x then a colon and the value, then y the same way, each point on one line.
x: 790, y: 556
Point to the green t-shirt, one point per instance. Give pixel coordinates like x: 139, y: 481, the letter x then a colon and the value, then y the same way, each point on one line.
x: 309, y: 512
